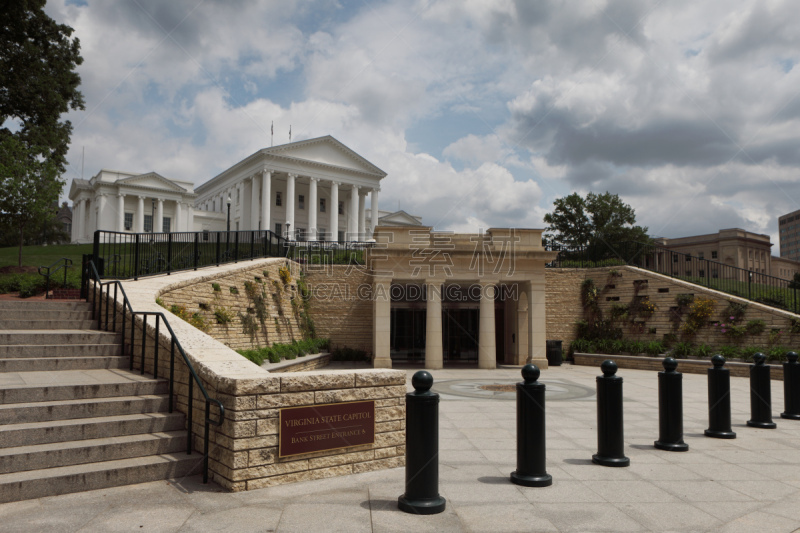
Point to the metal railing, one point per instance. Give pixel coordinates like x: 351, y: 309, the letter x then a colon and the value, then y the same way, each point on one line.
x: 122, y: 255
x: 67, y: 264
x: 749, y: 284
x: 108, y: 317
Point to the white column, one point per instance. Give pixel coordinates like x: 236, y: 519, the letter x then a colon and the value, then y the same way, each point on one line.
x: 254, y: 198
x: 178, y: 226
x: 537, y: 325
x: 334, y: 211
x: 120, y: 212
x: 352, y: 215
x: 362, y: 216
x: 487, y: 349
x: 159, y: 221
x: 190, y: 217
x: 266, y: 198
x: 433, y: 326
x: 312, y: 209
x: 374, y: 207
x: 140, y: 215
x: 381, y: 323
x: 77, y: 218
x: 290, y: 200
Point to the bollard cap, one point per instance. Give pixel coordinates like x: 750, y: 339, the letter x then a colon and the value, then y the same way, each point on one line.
x: 608, y: 367
x: 669, y: 364
x: 530, y: 373
x: 791, y: 357
x: 759, y: 358
x: 422, y: 381
x: 718, y: 361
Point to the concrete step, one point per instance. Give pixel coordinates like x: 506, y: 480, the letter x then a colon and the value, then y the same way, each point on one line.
x: 76, y: 385
x: 16, y: 351
x: 21, y: 413
x: 53, y: 455
x: 54, y: 364
x: 50, y: 323
x: 44, y: 305
x: 62, y: 314
x: 14, y: 435
x: 65, y: 336
x: 68, y: 479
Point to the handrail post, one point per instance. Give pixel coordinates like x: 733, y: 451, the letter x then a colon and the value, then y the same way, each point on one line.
x: 252, y: 244
x: 172, y: 373
x: 155, y: 349
x: 196, y: 243
x: 205, y: 442
x: 133, y: 336
x: 144, y: 339
x: 236, y: 247
x: 189, y: 417
x: 108, y: 298
x: 219, y: 233
x: 116, y: 286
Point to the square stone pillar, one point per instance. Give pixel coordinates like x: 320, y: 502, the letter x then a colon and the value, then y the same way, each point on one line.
x: 266, y: 198
x: 159, y: 221
x: 381, y: 323
x: 374, y: 207
x: 120, y: 212
x: 433, y: 327
x: 537, y: 324
x: 312, y: 209
x: 290, y: 200
x: 255, y: 196
x: 140, y: 215
x: 487, y: 347
x: 333, y: 209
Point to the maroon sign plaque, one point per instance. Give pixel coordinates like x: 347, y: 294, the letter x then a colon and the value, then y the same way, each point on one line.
x: 330, y: 426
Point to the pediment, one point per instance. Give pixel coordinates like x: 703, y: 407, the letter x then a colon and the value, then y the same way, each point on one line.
x: 327, y: 151
x: 152, y: 180
x: 400, y: 218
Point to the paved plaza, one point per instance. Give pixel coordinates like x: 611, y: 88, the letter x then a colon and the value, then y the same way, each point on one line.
x: 748, y: 484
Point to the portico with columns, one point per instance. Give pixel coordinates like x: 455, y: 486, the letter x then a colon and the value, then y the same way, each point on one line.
x: 130, y: 202
x: 312, y: 190
x: 462, y: 300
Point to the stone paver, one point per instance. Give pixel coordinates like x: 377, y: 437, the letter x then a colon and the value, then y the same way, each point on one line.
x: 751, y: 483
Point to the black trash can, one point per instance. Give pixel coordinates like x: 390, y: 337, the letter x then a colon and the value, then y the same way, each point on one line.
x: 554, y: 353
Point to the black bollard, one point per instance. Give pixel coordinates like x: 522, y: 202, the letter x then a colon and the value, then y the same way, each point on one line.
x: 791, y: 387
x: 610, y: 443
x: 719, y: 400
x: 760, y: 395
x: 670, y: 408
x: 422, y: 449
x: 531, y: 452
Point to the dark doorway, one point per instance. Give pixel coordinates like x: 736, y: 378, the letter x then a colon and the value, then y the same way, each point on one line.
x: 460, y: 329
x: 500, y: 334
x: 408, y: 335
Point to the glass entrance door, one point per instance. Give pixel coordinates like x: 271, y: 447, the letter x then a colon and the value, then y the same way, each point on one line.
x: 460, y: 332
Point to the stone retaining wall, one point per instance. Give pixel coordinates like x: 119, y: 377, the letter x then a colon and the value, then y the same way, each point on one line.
x: 686, y: 366
x: 243, y: 451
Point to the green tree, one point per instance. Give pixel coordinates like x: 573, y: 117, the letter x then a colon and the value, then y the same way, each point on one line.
x: 602, y: 220
x: 795, y: 283
x: 38, y: 84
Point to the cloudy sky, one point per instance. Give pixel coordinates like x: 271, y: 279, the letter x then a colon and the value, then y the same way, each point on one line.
x: 482, y: 112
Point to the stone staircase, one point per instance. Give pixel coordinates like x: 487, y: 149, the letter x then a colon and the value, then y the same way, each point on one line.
x: 72, y: 417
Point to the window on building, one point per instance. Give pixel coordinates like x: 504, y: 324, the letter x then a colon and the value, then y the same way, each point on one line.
x: 278, y: 229
x: 341, y: 236
x: 674, y: 258
x: 278, y: 199
x: 205, y: 235
x: 301, y: 201
x: 300, y: 234
x: 322, y: 205
x: 214, y: 205
x: 714, y: 274
x: 701, y: 273
x: 166, y: 225
x: 148, y: 223
x: 688, y: 258
x: 713, y: 255
x: 341, y: 208
x: 238, y: 195
x: 128, y: 221
x: 321, y: 234
x: 700, y: 255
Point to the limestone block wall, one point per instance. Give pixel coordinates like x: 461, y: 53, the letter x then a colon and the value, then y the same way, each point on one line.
x: 282, y: 324
x: 685, y: 366
x: 563, y: 301
x: 662, y: 291
x: 243, y: 451
x: 341, y: 305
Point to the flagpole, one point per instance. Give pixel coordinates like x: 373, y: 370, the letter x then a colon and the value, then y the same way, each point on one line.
x: 271, y: 133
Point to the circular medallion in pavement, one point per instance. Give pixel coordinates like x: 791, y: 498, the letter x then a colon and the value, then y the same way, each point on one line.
x: 507, y: 390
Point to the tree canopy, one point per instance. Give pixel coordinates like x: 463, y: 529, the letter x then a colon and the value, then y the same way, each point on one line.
x: 601, y: 219
x: 38, y: 84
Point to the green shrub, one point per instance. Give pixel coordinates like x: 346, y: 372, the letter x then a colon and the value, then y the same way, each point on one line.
x: 776, y: 354
x: 684, y: 300
x: 223, y: 315
x: 216, y: 287
x: 755, y: 327
x: 729, y: 352
x: 702, y: 350
x: 637, y: 347
x: 747, y: 352
x: 682, y: 350
x: 654, y: 348
x: 234, y: 290
x: 349, y: 354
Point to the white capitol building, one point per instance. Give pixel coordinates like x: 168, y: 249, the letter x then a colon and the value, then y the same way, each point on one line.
x: 315, y: 189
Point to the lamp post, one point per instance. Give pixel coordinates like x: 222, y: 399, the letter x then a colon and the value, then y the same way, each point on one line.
x: 228, y: 233
x: 229, y: 214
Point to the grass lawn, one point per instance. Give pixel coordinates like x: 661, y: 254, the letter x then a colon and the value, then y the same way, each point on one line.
x: 44, y: 255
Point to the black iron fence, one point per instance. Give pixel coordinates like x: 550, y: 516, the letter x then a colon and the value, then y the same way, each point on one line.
x: 120, y: 255
x: 750, y: 284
